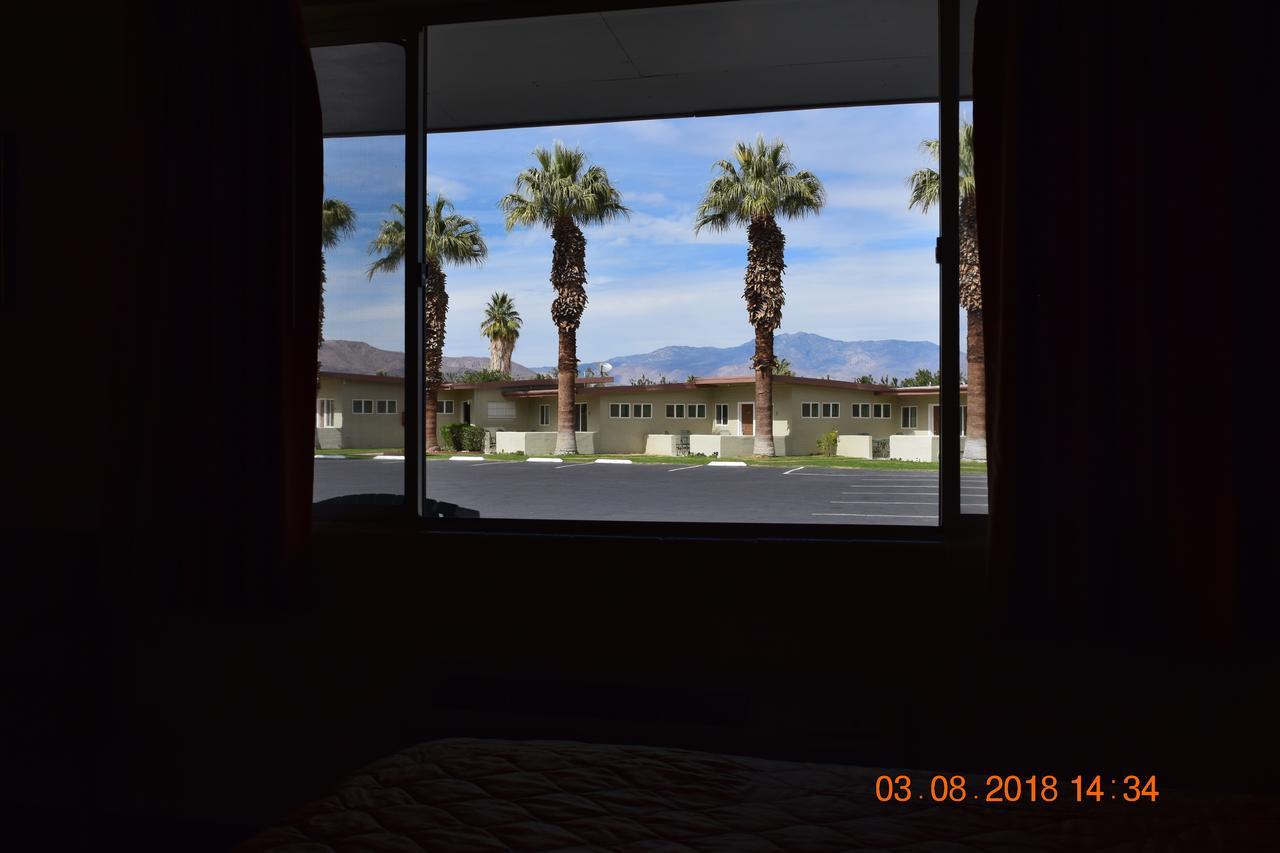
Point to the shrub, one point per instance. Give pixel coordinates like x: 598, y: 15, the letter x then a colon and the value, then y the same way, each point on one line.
x: 462, y: 437
x: 827, y: 444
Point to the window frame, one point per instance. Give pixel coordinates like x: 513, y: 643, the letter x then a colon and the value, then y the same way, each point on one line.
x: 915, y: 417
x: 444, y: 407
x: 700, y: 407
x: 717, y: 421
x: 831, y: 411
x: 814, y: 407
x: 951, y: 525
x: 544, y: 414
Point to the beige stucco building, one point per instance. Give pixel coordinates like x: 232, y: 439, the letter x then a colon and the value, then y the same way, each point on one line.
x: 714, y: 415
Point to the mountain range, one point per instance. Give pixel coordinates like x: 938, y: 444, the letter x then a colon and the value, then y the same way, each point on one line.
x: 809, y: 354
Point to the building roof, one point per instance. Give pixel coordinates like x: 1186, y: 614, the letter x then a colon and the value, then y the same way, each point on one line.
x: 541, y: 384
x: 717, y: 381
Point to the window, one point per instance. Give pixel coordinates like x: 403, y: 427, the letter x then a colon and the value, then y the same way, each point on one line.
x: 386, y: 407
x: 860, y: 410
x: 362, y: 407
x: 964, y: 418
x: 642, y: 410
x: 444, y: 407
x: 697, y: 410
x: 544, y: 415
x: 722, y: 414
x: 882, y: 410
x: 808, y: 410
x: 619, y: 410
x: 675, y: 410
x: 500, y: 411
x: 324, y: 413
x: 908, y: 417
x: 392, y: 405
x: 831, y: 410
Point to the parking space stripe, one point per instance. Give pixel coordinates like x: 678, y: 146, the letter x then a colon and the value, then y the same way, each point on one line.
x: 685, y: 468
x: 571, y: 465
x: 871, y: 515
x: 793, y: 470
x: 885, y: 503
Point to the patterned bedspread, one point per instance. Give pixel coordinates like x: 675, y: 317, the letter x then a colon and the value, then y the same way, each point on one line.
x: 464, y: 794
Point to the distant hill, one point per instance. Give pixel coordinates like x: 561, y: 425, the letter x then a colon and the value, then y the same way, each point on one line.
x: 359, y: 357
x: 809, y: 354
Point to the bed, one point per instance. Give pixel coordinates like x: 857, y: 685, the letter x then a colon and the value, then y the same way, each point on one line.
x: 467, y: 794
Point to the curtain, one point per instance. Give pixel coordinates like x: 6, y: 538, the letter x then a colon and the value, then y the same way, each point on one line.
x: 1125, y: 223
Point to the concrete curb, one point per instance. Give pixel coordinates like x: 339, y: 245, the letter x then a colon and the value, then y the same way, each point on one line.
x: 543, y: 459
x: 466, y: 459
x: 728, y: 464
x: 389, y: 458
x: 331, y: 456
x: 614, y: 462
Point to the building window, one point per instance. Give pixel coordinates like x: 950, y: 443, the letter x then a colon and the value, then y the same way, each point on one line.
x: 675, y: 410
x: 697, y: 410
x: 722, y: 414
x: 544, y: 415
x: 444, y: 407
x: 831, y: 410
x: 808, y: 410
x: 619, y: 410
x: 362, y: 407
x: 643, y: 410
x: 882, y: 410
x: 386, y: 407
x: 908, y: 417
x: 860, y: 410
x: 964, y: 418
x: 324, y: 413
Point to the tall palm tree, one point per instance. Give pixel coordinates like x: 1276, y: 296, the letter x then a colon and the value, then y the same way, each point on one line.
x: 762, y: 186
x: 501, y: 325
x: 450, y: 239
x: 925, y: 190
x: 562, y: 193
x: 337, y: 222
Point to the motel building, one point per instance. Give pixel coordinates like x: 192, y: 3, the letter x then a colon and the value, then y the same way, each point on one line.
x: 712, y: 417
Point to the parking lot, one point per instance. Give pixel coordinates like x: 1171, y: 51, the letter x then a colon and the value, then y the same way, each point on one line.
x: 666, y: 492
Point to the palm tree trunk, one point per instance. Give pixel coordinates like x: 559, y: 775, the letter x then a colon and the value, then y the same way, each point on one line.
x: 764, y: 295
x: 975, y: 443
x: 763, y: 444
x: 566, y: 373
x: 569, y: 278
x: 436, y: 306
x: 508, y: 350
x: 495, y: 353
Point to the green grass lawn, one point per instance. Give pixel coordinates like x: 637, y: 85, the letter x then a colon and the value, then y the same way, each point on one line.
x: 777, y: 461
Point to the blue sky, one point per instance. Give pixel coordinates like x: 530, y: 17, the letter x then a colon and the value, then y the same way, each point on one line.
x: 863, y: 269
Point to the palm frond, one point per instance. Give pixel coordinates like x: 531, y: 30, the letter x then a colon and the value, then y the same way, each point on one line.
x: 761, y: 181
x: 338, y: 221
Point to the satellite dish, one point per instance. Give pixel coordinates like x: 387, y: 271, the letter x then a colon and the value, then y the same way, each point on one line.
x: 606, y: 366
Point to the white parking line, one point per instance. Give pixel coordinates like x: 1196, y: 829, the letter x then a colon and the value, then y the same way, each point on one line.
x: 881, y: 503
x: 871, y: 515
x: 571, y: 465
x: 685, y: 468
x: 793, y: 470
x: 494, y: 462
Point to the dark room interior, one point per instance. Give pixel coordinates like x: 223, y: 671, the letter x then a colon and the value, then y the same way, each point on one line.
x: 193, y: 650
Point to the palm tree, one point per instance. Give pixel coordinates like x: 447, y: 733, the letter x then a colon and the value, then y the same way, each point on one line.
x: 337, y: 222
x: 501, y: 325
x: 562, y: 193
x: 450, y: 239
x: 761, y: 187
x: 925, y: 190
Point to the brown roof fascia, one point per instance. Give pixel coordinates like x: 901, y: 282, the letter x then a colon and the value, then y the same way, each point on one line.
x: 708, y: 382
x: 523, y: 383
x: 917, y: 390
